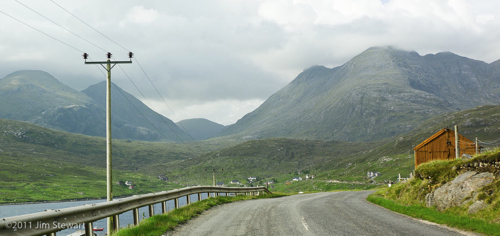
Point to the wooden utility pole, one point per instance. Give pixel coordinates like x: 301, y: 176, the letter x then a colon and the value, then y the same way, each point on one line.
x: 457, y: 149
x: 213, y: 176
x: 109, y: 178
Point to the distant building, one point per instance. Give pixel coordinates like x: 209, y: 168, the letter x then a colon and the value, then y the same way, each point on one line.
x: 131, y: 187
x: 297, y: 178
x: 371, y: 174
x: 162, y: 177
x: 234, y: 182
x: 128, y: 183
x: 270, y: 182
x: 220, y: 184
x: 251, y: 179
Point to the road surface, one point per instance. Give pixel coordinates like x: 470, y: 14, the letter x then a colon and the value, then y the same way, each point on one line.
x: 333, y: 213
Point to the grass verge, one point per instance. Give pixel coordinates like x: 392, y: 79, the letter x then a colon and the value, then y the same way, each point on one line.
x: 159, y: 224
x: 429, y: 214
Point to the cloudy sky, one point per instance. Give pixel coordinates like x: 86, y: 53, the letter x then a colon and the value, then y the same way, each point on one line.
x: 220, y: 59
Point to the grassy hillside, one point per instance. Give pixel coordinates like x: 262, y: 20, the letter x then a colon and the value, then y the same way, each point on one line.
x: 430, y: 176
x: 336, y: 164
x: 27, y: 179
x: 45, y: 164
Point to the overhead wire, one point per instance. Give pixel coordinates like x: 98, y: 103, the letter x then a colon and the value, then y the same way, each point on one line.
x: 163, y: 99
x: 48, y: 35
x: 138, y: 63
x: 89, y: 25
x: 161, y: 117
x: 60, y: 26
x: 89, y: 58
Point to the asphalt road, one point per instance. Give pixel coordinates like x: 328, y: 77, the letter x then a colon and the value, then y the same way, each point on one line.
x: 333, y: 213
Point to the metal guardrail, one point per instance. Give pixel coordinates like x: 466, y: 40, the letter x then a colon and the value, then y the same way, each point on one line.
x: 51, y: 221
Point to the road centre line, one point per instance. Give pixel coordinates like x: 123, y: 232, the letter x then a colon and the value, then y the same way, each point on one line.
x: 304, y: 223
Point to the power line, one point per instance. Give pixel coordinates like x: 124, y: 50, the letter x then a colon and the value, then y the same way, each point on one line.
x: 89, y: 59
x: 161, y: 117
x: 137, y: 63
x: 116, y: 87
x: 61, y: 26
x: 89, y: 25
x: 100, y: 70
x: 41, y: 32
x: 163, y: 98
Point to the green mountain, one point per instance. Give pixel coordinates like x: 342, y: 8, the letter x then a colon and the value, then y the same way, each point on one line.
x: 39, y: 98
x: 26, y: 95
x: 281, y: 158
x: 132, y: 119
x: 40, y: 164
x: 381, y: 93
x: 200, y: 129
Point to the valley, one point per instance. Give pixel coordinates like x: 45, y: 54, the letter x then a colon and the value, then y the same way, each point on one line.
x: 334, y: 124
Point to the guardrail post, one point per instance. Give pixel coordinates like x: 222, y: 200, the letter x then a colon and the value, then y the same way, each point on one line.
x: 88, y: 229
x: 116, y: 223
x: 199, y: 197
x: 188, y: 199
x: 163, y: 207
x: 217, y: 194
x: 176, y: 203
x: 208, y: 193
x: 135, y: 215
x: 151, y: 210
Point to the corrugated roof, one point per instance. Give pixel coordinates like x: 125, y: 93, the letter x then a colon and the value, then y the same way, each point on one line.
x: 431, y: 138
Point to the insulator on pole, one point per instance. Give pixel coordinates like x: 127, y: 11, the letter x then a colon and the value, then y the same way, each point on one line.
x: 130, y: 55
x: 85, y: 55
x: 109, y: 55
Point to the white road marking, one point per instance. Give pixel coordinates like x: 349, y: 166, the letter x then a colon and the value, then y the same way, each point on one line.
x: 304, y: 223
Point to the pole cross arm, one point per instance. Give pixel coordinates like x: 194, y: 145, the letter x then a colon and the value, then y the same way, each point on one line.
x: 107, y: 62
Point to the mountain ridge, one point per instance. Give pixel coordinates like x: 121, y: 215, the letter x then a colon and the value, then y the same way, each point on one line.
x: 379, y: 93
x: 37, y: 97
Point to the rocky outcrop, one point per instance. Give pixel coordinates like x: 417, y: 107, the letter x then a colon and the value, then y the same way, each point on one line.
x: 462, y: 189
x: 477, y: 206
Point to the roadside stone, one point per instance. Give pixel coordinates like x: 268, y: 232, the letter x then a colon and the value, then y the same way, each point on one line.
x: 456, y: 192
x: 477, y: 206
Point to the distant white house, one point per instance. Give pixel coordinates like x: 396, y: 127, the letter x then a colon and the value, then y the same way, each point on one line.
x: 128, y: 183
x: 371, y: 174
x: 270, y: 182
x: 234, y: 182
x: 297, y: 178
x: 310, y: 176
x: 251, y: 179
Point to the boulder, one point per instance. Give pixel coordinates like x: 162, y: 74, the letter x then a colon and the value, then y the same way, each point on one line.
x: 477, y: 206
x: 456, y: 192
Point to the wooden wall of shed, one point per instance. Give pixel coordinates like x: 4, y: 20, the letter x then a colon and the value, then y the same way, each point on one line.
x: 443, y: 148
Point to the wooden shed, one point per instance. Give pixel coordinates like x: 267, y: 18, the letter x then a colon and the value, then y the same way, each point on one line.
x: 441, y: 146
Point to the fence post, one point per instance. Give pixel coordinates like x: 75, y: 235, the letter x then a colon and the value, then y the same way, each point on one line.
x: 88, y: 229
x: 135, y: 215
x: 116, y: 223
x: 164, y: 207
x: 176, y: 203
x: 151, y: 210
x: 188, y: 199
x: 199, y: 197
